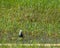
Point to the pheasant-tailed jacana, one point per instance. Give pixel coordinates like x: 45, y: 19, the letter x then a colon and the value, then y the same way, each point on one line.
x: 21, y: 34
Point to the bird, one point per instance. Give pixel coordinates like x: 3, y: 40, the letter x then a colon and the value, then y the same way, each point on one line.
x: 21, y: 34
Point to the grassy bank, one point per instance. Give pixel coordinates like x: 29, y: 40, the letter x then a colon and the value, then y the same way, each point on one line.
x: 39, y: 20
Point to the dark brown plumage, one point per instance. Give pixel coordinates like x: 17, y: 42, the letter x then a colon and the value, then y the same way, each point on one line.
x: 21, y: 35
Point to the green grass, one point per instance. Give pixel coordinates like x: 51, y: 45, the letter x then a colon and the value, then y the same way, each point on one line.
x: 18, y: 46
x: 39, y: 20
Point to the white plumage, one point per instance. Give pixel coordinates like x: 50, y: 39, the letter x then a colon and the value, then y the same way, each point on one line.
x: 20, y: 32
